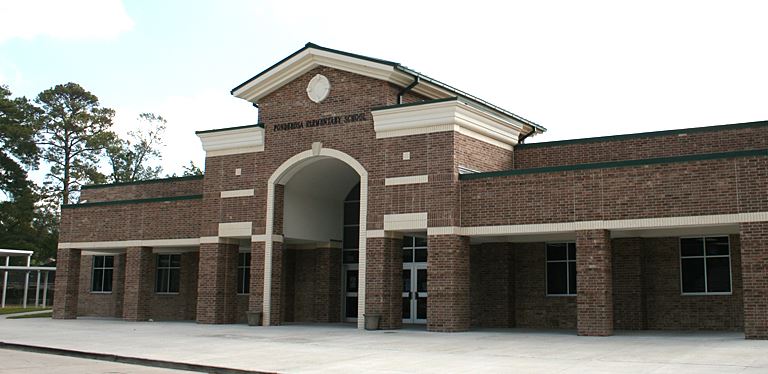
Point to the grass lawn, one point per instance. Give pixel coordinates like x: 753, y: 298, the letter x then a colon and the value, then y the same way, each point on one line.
x: 18, y: 309
x: 36, y: 315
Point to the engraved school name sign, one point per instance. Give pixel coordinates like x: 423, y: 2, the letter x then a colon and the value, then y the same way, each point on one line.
x: 319, y: 122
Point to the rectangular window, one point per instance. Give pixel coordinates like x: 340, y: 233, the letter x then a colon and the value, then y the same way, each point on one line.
x: 705, y: 265
x: 244, y: 273
x: 168, y: 273
x: 561, y: 269
x: 103, y: 267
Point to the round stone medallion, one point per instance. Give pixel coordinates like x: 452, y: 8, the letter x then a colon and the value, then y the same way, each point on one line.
x: 318, y: 88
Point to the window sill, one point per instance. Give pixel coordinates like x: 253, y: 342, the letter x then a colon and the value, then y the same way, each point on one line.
x: 101, y: 292
x: 167, y: 293
x: 706, y: 294
x: 560, y: 295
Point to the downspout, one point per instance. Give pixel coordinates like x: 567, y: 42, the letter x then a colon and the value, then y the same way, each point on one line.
x: 406, y: 89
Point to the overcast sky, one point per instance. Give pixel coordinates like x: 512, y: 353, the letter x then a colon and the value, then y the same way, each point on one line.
x: 578, y: 68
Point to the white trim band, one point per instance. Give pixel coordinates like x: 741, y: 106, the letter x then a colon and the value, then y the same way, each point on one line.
x: 237, y: 193
x: 263, y: 238
x: 406, y: 221
x: 625, y: 224
x: 413, y: 179
x: 132, y: 243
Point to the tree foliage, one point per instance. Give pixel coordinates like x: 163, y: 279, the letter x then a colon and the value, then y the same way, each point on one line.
x: 73, y: 132
x: 23, y: 225
x: 129, y: 158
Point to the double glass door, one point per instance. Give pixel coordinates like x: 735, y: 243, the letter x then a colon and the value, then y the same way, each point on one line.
x: 414, y: 292
x: 414, y: 280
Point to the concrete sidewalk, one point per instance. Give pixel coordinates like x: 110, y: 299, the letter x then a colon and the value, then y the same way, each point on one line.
x: 341, y: 348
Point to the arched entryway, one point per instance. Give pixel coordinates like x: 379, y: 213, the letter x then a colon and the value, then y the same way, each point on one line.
x: 314, y: 247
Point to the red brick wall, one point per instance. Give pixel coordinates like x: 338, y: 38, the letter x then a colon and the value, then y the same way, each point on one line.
x: 629, y: 306
x: 384, y: 282
x: 101, y: 304
x: 181, y: 306
x: 754, y: 237
x: 312, y: 285
x: 216, y: 287
x: 183, y: 186
x: 481, y: 156
x: 667, y: 309
x: 721, y: 186
x: 594, y: 270
x: 492, y: 289
x: 448, y: 283
x: 67, y: 285
x: 156, y: 220
x: 718, y: 139
x: 533, y: 308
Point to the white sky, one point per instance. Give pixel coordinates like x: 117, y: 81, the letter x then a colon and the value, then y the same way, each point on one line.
x: 578, y: 68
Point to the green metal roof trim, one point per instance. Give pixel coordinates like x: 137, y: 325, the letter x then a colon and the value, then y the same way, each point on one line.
x: 734, y: 126
x: 230, y: 128
x: 617, y: 164
x: 477, y: 101
x: 134, y: 201
x: 148, y: 181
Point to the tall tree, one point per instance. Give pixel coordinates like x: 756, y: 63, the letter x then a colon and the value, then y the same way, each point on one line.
x: 23, y: 225
x: 74, y: 131
x: 129, y: 158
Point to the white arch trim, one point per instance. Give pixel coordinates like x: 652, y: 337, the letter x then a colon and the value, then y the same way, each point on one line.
x: 281, y: 176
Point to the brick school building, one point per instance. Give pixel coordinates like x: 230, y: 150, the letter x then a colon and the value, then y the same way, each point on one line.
x: 368, y: 188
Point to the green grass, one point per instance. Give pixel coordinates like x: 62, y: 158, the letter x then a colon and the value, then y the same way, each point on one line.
x: 47, y: 314
x: 18, y: 309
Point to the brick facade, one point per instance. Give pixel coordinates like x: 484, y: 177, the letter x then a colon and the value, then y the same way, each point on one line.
x: 139, y: 269
x: 558, y: 188
x: 448, y: 283
x: 754, y: 244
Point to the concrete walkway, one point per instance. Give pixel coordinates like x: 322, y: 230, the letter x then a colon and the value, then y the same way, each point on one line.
x: 341, y: 348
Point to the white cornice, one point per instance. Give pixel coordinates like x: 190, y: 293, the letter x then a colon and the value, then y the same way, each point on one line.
x: 234, y: 141
x: 441, y: 116
x: 310, y: 59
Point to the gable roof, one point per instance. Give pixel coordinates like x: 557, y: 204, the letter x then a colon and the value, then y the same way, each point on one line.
x: 312, y: 55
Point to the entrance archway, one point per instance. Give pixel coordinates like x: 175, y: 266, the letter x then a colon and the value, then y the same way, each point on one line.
x: 313, y: 186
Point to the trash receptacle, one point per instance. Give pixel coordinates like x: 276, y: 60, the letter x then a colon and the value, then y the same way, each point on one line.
x: 372, y: 321
x: 254, y: 318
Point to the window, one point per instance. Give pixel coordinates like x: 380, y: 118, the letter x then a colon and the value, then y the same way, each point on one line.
x: 103, y: 266
x: 561, y: 269
x: 705, y: 265
x: 244, y: 273
x: 168, y: 273
x: 351, y: 234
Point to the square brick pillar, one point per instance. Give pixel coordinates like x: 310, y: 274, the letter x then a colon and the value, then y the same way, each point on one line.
x: 139, y: 268
x: 448, y: 283
x: 67, y: 283
x: 594, y: 283
x: 276, y: 289
x: 256, y: 297
x: 754, y: 273
x: 384, y: 281
x: 217, y: 279
x: 328, y: 298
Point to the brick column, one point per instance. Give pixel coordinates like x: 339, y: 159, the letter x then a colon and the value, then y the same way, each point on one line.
x: 256, y: 298
x: 216, y: 287
x: 448, y: 283
x: 754, y: 273
x: 67, y: 283
x: 384, y: 281
x: 276, y: 294
x: 139, y: 267
x: 328, y: 298
x: 594, y: 283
